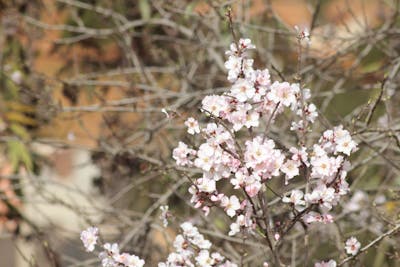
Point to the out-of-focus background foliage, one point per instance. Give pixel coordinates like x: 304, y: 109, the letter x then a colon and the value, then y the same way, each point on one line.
x: 83, y: 139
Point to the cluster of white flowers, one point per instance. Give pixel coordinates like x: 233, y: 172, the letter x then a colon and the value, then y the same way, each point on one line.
x: 89, y: 238
x: 192, y: 249
x: 253, y: 101
x: 329, y: 169
x: 110, y: 256
x: 249, y: 161
x: 165, y: 214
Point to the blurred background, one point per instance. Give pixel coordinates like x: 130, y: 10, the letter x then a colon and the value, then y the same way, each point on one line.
x: 83, y: 140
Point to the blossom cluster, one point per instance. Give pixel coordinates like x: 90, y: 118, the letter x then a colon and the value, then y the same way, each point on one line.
x: 235, y: 150
x: 110, y: 256
x: 253, y: 103
x: 192, y: 249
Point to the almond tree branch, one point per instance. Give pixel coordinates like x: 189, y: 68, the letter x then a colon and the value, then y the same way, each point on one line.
x: 371, y: 244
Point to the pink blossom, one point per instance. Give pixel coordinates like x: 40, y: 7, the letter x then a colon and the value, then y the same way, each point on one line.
x: 253, y: 188
x: 245, y: 43
x: 240, y: 178
x: 296, y: 198
x: 239, y: 117
x: 303, y: 34
x: 313, y: 217
x: 290, y: 168
x: 215, y: 104
x: 263, y: 78
x: 193, y: 126
x: 299, y: 155
x: 243, y: 90
x: 181, y: 154
x: 352, y: 246
x: 311, y: 112
x: 129, y: 260
x: 89, y: 238
x: 345, y: 145
x: 206, y: 185
x: 231, y: 205
x: 263, y: 158
x: 233, y: 65
x: 323, y: 195
x: 204, y: 158
x: 283, y: 92
x: 164, y: 215
x: 234, y: 228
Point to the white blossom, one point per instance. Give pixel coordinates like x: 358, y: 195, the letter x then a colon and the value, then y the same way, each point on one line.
x: 89, y: 238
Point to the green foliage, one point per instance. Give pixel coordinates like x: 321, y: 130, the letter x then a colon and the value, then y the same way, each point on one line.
x: 19, y: 155
x: 19, y: 131
x: 145, y: 9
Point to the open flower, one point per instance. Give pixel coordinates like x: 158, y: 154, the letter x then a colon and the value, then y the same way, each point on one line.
x: 231, y: 205
x: 243, y: 90
x: 290, y: 168
x: 284, y: 93
x: 193, y: 126
x: 296, y: 197
x: 181, y: 154
x: 89, y: 238
x: 352, y: 246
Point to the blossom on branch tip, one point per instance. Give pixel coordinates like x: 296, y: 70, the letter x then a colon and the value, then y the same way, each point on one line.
x: 231, y: 205
x: 89, y: 238
x: 241, y: 146
x: 322, y: 195
x: 313, y: 217
x: 164, y: 215
x: 243, y: 90
x: 215, y: 104
x: 296, y: 198
x: 193, y: 126
x: 290, y: 168
x: 352, y: 246
x: 303, y: 34
x: 182, y: 153
x: 192, y: 249
x: 284, y: 93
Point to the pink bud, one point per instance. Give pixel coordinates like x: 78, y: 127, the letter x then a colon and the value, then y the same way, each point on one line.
x: 277, y: 236
x: 252, y: 190
x: 243, y: 204
x: 198, y: 204
x: 206, y: 210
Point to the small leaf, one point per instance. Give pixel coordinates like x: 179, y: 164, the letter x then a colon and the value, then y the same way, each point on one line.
x: 20, y: 118
x: 20, y: 131
x: 371, y: 67
x: 19, y: 154
x: 189, y: 9
x: 16, y: 106
x: 145, y: 9
x: 220, y: 224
